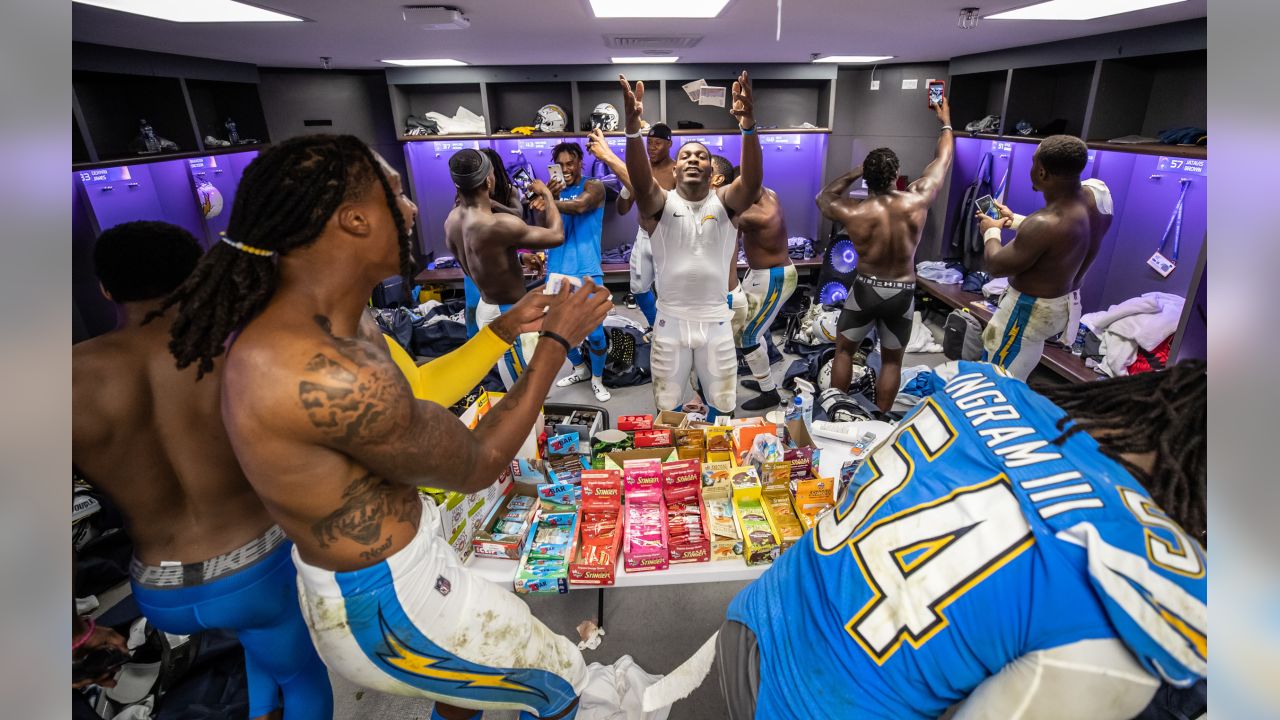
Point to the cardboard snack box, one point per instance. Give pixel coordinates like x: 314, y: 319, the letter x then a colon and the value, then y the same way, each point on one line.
x: 761, y: 544
x: 615, y: 460
x: 489, y: 543
x: 642, y: 486
x: 717, y: 502
x: 682, y: 484
x: 536, y: 575
x: 595, y: 561
x: 631, y: 423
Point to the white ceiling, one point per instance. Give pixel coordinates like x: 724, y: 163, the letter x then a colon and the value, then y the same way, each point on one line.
x: 359, y: 33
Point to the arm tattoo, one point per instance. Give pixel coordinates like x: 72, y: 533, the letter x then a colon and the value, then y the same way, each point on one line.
x: 367, y: 502
x: 350, y: 401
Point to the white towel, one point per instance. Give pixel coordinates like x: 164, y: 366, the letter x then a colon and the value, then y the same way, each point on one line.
x: 1144, y: 321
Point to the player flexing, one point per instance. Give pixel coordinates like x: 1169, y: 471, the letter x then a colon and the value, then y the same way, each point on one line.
x: 206, y: 552
x: 1046, y: 262
x: 486, y: 245
x: 1024, y: 555
x: 769, y: 282
x: 885, y: 230
x: 327, y: 431
x: 658, y: 148
x: 693, y: 244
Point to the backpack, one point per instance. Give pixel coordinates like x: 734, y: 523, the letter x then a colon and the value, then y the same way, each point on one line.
x: 962, y: 336
x: 626, y: 360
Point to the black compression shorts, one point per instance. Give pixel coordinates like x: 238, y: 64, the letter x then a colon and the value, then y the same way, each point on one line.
x: 886, y: 305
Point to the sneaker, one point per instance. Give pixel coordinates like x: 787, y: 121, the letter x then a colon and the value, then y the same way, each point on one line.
x: 630, y: 301
x: 581, y: 373
x: 597, y: 387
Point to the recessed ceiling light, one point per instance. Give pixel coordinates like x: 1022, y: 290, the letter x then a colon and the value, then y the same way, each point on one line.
x: 851, y: 59
x: 644, y: 59
x: 426, y: 62
x: 657, y: 8
x: 205, y: 11
x: 1078, y: 9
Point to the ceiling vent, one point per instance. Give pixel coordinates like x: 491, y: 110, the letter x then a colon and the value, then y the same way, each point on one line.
x: 435, y: 17
x: 651, y: 42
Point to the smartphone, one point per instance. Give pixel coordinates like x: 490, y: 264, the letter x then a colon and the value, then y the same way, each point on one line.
x: 556, y: 173
x: 987, y: 206
x: 97, y: 663
x: 936, y: 91
x: 520, y: 178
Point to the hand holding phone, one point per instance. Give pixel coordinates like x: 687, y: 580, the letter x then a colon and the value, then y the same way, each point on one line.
x: 556, y: 173
x: 937, y: 89
x: 987, y: 206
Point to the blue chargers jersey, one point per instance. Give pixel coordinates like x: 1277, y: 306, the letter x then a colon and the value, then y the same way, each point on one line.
x: 969, y: 539
x: 579, y: 256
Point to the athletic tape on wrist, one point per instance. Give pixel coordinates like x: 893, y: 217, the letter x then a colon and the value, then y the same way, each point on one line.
x: 991, y: 234
x: 639, y: 134
x: 1017, y: 221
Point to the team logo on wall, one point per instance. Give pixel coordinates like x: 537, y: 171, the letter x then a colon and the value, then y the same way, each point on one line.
x: 210, y: 199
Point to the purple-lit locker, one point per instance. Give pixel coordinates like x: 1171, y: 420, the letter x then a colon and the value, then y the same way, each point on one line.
x: 118, y: 195
x: 433, y: 189
x: 618, y: 229
x: 793, y: 168
x: 1155, y: 186
x: 213, y: 179
x: 1115, y: 169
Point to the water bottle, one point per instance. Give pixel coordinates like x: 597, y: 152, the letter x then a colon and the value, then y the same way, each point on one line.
x: 1077, y: 347
x: 802, y: 405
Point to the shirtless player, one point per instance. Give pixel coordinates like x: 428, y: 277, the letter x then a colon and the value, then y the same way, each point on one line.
x: 769, y: 282
x: 1046, y: 262
x: 327, y: 431
x: 206, y: 553
x: 486, y: 243
x: 658, y: 148
x: 693, y: 243
x: 885, y: 230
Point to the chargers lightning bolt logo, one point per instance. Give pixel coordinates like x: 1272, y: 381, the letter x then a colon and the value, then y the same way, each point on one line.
x: 704, y: 219
x: 405, y: 659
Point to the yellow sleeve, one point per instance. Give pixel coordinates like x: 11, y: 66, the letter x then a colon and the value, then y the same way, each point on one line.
x: 449, y: 377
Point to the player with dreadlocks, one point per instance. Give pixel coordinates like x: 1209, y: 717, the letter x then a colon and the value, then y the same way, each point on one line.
x: 1004, y: 553
x: 328, y: 432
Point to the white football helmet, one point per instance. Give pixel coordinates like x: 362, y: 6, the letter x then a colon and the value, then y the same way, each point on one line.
x: 551, y: 118
x: 827, y: 323
x: 210, y: 200
x: 606, y: 116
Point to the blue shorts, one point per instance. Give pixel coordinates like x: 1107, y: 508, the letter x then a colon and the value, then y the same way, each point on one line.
x: 260, y: 603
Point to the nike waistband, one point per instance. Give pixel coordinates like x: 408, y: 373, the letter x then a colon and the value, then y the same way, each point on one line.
x: 877, y: 282
x: 199, y: 573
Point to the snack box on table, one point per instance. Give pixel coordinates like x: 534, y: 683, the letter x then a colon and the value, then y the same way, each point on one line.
x: 490, y: 542
x: 760, y: 539
x: 631, y: 423
x: 744, y: 437
x: 718, y: 444
x: 562, y: 419
x: 656, y: 438
x: 595, y: 562
x: 617, y: 459
x: 691, y: 443
x: 671, y: 419
x: 682, y: 483
x: 642, y: 486
x: 717, y: 501
x: 776, y: 496
x: 544, y: 565
x: 812, y: 497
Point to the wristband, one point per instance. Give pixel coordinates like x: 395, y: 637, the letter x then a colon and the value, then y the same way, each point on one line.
x: 553, y: 336
x: 75, y: 645
x: 991, y: 234
x: 948, y: 127
x: 624, y: 193
x: 749, y: 131
x: 1017, y: 220
x: 639, y: 134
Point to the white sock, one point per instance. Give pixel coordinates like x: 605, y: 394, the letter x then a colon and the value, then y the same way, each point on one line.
x: 597, y: 387
x: 579, y: 374
x: 758, y: 361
